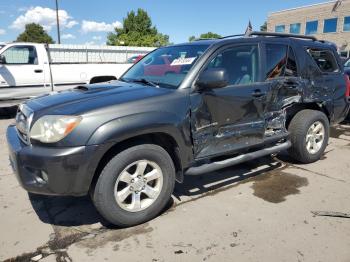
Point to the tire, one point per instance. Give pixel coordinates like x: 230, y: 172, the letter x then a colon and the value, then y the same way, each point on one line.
x: 303, y: 122
x: 131, y: 211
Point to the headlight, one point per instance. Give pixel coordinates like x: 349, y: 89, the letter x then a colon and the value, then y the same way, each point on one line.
x: 53, y: 128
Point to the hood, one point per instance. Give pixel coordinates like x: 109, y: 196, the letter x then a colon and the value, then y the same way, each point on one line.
x: 89, y: 97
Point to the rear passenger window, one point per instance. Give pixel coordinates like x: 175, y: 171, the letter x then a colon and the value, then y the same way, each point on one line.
x: 280, y: 61
x: 291, y: 67
x: 324, y: 59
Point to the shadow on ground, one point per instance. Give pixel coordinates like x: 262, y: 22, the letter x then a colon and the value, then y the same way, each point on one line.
x: 65, y: 211
x: 79, y: 211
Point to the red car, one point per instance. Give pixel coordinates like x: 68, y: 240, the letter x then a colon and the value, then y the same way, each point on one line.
x: 161, y: 66
x: 134, y: 59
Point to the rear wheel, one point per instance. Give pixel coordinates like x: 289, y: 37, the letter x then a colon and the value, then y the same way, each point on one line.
x: 309, y: 134
x: 135, y: 185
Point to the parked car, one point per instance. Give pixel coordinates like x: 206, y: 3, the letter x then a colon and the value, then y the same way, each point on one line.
x: 228, y: 101
x: 134, y: 59
x: 25, y: 70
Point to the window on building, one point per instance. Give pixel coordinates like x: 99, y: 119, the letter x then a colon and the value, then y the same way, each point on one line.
x: 330, y: 25
x: 346, y: 23
x: 280, y: 28
x: 324, y: 59
x: 280, y: 61
x: 311, y: 27
x: 295, y: 28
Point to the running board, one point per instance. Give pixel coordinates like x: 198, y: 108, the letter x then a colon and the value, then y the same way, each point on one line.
x: 206, y: 168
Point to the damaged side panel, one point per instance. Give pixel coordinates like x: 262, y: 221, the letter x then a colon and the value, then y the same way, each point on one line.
x: 283, y: 93
x: 227, y: 120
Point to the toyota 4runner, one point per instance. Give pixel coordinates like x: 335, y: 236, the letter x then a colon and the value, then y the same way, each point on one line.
x: 183, y: 109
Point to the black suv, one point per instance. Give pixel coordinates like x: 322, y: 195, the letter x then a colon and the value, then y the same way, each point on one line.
x: 183, y: 109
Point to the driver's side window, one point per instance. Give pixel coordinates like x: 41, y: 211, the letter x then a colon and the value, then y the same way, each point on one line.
x: 240, y: 63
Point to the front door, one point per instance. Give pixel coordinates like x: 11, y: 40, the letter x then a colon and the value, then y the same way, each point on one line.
x: 21, y: 74
x: 21, y: 67
x: 229, y: 118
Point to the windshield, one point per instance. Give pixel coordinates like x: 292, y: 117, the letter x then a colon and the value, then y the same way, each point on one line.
x: 166, y: 67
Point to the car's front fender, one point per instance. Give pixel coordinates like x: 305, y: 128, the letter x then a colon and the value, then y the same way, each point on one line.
x: 134, y: 125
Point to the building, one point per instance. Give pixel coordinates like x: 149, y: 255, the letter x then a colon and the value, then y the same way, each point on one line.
x: 327, y: 21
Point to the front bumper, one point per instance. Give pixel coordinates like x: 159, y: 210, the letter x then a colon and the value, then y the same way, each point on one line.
x: 52, y: 171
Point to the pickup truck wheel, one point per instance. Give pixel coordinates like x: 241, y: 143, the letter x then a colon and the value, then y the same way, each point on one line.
x: 309, y: 134
x: 135, y: 185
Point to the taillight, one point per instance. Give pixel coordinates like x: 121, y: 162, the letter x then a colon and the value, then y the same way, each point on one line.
x: 347, y: 80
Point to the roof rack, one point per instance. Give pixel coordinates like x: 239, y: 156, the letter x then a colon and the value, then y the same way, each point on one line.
x: 283, y: 35
x: 229, y: 36
x: 203, y: 39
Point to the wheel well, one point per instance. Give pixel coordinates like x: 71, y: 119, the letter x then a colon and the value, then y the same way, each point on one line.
x: 100, y: 79
x: 164, y: 140
x: 294, y: 109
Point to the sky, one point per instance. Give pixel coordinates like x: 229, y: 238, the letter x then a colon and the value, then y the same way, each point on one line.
x: 89, y: 21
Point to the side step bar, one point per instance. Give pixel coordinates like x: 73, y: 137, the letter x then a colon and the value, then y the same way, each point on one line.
x: 206, y: 168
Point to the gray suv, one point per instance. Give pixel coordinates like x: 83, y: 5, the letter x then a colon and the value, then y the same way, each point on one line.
x: 184, y: 109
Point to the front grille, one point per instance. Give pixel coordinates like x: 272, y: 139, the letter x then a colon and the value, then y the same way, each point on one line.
x: 23, y: 121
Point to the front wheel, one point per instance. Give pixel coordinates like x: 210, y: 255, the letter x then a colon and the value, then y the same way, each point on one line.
x: 135, y: 185
x: 309, y: 134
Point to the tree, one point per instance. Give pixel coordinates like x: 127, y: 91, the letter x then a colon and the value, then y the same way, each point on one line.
x: 137, y: 31
x: 263, y: 28
x: 34, y: 33
x: 209, y: 35
x: 192, y: 38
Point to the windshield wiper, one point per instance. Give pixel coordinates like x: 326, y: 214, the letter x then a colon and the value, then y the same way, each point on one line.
x: 144, y: 81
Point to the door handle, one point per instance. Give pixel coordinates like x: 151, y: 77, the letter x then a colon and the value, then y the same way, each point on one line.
x: 257, y: 93
x: 38, y: 71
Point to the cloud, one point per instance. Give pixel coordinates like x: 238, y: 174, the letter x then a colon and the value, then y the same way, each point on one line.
x: 97, y: 37
x: 68, y: 36
x: 2, y: 12
x: 45, y: 17
x: 71, y: 23
x: 22, y: 9
x: 92, y: 26
x: 2, y: 31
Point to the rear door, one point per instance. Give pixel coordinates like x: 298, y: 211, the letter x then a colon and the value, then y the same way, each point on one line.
x: 21, y: 67
x: 230, y: 118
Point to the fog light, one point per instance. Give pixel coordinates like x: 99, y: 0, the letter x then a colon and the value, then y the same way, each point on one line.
x: 44, y: 176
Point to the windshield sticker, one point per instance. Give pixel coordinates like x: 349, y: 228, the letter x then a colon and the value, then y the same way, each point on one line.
x: 183, y: 61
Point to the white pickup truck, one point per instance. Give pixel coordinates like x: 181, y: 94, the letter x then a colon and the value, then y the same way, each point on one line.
x: 28, y: 69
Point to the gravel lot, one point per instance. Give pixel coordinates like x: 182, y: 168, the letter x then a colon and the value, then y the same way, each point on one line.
x: 258, y: 211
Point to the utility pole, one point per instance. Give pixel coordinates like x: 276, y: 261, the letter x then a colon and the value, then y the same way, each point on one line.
x: 58, y: 24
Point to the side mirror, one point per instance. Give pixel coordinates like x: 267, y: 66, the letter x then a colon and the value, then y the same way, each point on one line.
x: 2, y: 59
x: 212, y: 78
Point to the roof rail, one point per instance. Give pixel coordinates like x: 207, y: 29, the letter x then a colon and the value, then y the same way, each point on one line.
x: 283, y: 35
x: 223, y: 37
x: 203, y: 39
x: 229, y: 36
